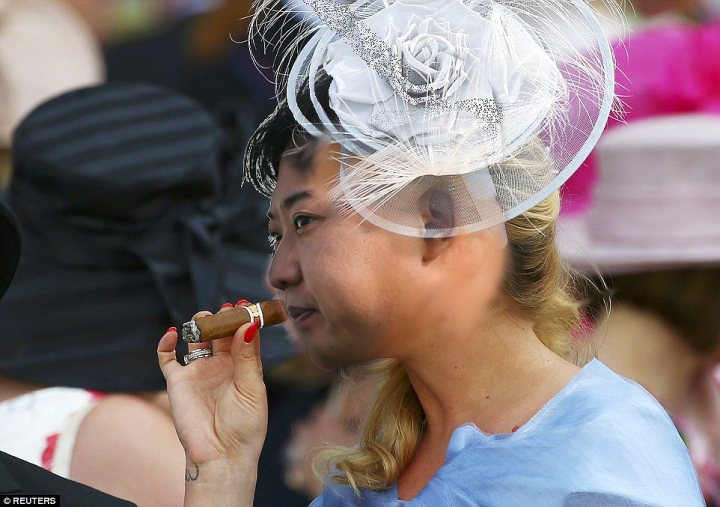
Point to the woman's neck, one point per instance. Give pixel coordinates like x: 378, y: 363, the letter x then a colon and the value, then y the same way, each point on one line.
x: 498, y: 378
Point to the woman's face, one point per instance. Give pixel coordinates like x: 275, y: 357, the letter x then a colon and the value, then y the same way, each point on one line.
x: 352, y: 290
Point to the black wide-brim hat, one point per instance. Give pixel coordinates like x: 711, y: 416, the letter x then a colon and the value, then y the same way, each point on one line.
x: 120, y: 202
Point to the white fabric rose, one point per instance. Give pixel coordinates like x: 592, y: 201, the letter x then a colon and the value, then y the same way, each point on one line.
x: 432, y: 54
x: 457, y: 53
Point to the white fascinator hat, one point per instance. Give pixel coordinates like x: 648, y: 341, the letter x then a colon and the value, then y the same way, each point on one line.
x: 656, y: 203
x: 479, y: 108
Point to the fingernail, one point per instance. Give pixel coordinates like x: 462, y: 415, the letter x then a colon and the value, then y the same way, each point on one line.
x: 250, y: 332
x: 171, y: 330
x: 242, y: 302
x: 227, y: 305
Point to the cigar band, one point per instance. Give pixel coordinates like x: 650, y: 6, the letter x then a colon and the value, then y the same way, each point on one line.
x: 260, y: 315
x: 190, y: 332
x: 255, y: 312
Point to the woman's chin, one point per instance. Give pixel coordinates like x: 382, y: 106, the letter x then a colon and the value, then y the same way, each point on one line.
x: 325, y: 355
x: 326, y: 350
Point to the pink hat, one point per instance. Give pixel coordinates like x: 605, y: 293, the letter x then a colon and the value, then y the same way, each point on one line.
x: 657, y: 200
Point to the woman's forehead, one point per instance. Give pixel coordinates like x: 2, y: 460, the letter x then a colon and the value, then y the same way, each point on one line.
x: 301, y: 150
x: 314, y: 165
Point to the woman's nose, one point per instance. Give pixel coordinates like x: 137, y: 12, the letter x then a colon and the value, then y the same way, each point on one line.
x: 285, y: 270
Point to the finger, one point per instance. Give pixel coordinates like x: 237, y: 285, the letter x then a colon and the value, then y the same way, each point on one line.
x: 203, y: 313
x: 223, y: 344
x: 246, y: 358
x: 166, y: 352
x: 195, y: 346
x: 258, y: 358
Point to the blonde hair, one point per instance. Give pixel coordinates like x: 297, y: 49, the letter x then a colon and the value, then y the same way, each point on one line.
x: 538, y: 285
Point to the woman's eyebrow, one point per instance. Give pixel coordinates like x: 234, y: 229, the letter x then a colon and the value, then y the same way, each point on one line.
x: 291, y: 200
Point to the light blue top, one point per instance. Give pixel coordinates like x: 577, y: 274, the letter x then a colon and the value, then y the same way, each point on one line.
x: 601, y: 441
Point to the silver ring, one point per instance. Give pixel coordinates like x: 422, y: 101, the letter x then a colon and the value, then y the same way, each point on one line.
x: 197, y: 354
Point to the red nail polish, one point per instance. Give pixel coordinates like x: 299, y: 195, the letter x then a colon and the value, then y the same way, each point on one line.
x: 227, y: 305
x: 171, y: 330
x: 242, y: 302
x: 250, y: 332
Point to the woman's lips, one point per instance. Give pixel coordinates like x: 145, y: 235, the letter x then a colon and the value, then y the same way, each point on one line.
x: 300, y: 315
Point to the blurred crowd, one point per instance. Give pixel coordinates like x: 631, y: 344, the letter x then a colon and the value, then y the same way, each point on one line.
x: 122, y: 126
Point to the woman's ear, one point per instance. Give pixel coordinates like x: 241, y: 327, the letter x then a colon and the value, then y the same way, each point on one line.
x: 438, y: 215
x: 476, y: 246
x: 434, y: 247
x: 437, y: 209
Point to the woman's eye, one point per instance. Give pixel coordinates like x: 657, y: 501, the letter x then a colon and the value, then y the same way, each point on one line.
x: 301, y: 221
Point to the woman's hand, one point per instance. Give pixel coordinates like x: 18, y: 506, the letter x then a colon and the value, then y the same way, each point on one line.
x: 218, y: 403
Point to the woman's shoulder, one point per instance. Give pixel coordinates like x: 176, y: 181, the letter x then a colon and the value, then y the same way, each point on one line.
x: 595, y: 408
x: 598, y: 393
x: 600, y: 407
x: 618, y: 420
x: 601, y: 435
x: 602, y: 414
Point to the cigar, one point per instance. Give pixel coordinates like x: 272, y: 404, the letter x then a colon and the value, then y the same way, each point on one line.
x: 224, y: 324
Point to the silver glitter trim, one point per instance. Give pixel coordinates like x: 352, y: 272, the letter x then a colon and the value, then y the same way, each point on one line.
x: 380, y: 58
